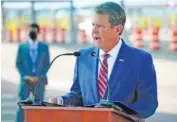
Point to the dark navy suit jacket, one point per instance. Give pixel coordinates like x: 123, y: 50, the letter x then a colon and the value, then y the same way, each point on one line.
x: 132, y: 81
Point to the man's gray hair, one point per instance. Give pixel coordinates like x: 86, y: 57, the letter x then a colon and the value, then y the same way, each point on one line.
x: 116, y: 13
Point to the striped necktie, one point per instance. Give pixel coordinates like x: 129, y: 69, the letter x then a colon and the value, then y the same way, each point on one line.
x: 102, y: 77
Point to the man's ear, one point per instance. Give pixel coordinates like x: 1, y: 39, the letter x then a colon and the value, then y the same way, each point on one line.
x: 118, y: 29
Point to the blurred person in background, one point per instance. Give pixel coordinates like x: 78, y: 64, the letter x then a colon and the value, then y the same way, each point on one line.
x: 32, y: 61
x: 130, y: 71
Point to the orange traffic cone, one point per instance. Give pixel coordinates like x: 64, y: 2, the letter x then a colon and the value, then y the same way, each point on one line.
x: 138, y: 38
x: 10, y: 35
x: 17, y: 35
x: 54, y: 34
x: 43, y: 33
x: 61, y: 35
x: 173, y: 43
x: 155, y: 42
x: 24, y: 34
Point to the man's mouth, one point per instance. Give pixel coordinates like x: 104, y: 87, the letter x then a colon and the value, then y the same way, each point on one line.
x: 97, y: 38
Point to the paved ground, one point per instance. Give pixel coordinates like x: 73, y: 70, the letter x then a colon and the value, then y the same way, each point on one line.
x: 60, y: 77
x: 9, y: 100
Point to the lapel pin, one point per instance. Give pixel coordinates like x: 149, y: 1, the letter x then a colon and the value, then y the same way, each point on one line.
x: 122, y: 60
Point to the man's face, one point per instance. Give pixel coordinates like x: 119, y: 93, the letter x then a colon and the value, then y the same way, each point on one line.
x: 103, y: 34
x: 33, y: 33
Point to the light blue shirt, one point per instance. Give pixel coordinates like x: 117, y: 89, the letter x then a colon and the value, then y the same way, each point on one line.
x: 33, y: 50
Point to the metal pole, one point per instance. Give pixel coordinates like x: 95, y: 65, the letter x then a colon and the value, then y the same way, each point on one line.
x: 33, y: 14
x: 72, y: 24
x: 3, y: 22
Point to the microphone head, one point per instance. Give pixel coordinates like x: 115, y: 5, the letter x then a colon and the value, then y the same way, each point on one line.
x: 76, y: 53
x: 93, y: 54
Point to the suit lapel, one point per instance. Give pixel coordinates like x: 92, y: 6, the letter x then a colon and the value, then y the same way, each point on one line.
x: 28, y: 53
x: 119, y: 69
x: 94, y: 74
x: 38, y: 53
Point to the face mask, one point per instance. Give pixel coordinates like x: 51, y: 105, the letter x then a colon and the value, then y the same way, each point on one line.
x: 33, y: 35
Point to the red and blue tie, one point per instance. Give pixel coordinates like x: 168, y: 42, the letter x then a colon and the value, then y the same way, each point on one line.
x: 102, y: 77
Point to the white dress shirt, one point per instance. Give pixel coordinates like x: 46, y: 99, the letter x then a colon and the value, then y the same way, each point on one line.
x: 112, y: 58
x: 33, y: 50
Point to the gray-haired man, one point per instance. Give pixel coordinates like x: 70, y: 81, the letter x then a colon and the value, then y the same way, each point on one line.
x: 130, y: 71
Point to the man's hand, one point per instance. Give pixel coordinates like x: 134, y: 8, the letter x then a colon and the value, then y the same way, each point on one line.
x: 36, y: 79
x: 31, y: 80
x: 28, y: 79
x: 56, y: 100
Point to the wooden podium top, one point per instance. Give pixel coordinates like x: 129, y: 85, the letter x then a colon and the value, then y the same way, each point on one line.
x: 70, y: 108
x: 90, y: 110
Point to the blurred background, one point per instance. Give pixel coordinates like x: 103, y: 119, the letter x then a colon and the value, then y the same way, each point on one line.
x: 66, y: 26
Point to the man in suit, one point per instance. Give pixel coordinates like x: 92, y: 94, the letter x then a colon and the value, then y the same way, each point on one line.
x: 130, y: 71
x: 32, y: 61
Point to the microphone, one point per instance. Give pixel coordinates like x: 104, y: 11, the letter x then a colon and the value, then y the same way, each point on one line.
x: 108, y: 102
x: 37, y: 102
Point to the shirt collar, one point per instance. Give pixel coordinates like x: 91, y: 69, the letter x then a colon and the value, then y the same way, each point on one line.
x: 33, y: 42
x: 114, y: 51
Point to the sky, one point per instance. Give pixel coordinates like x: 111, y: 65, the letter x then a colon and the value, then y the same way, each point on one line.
x: 81, y: 3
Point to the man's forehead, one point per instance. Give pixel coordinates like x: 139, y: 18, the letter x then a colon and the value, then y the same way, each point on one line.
x: 33, y: 29
x: 101, y: 18
x: 100, y: 15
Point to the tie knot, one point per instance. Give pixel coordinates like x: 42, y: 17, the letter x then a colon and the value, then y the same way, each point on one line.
x: 105, y: 55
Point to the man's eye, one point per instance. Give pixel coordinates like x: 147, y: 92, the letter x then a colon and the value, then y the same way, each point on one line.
x: 99, y: 26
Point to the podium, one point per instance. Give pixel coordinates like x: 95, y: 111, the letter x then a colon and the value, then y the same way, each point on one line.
x: 72, y: 114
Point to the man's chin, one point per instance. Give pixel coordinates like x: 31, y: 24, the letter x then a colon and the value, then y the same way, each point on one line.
x: 97, y: 44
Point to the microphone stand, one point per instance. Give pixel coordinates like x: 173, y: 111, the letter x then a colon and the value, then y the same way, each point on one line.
x: 108, y: 102
x: 32, y: 100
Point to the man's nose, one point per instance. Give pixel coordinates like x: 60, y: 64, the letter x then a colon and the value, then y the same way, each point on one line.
x: 94, y: 29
